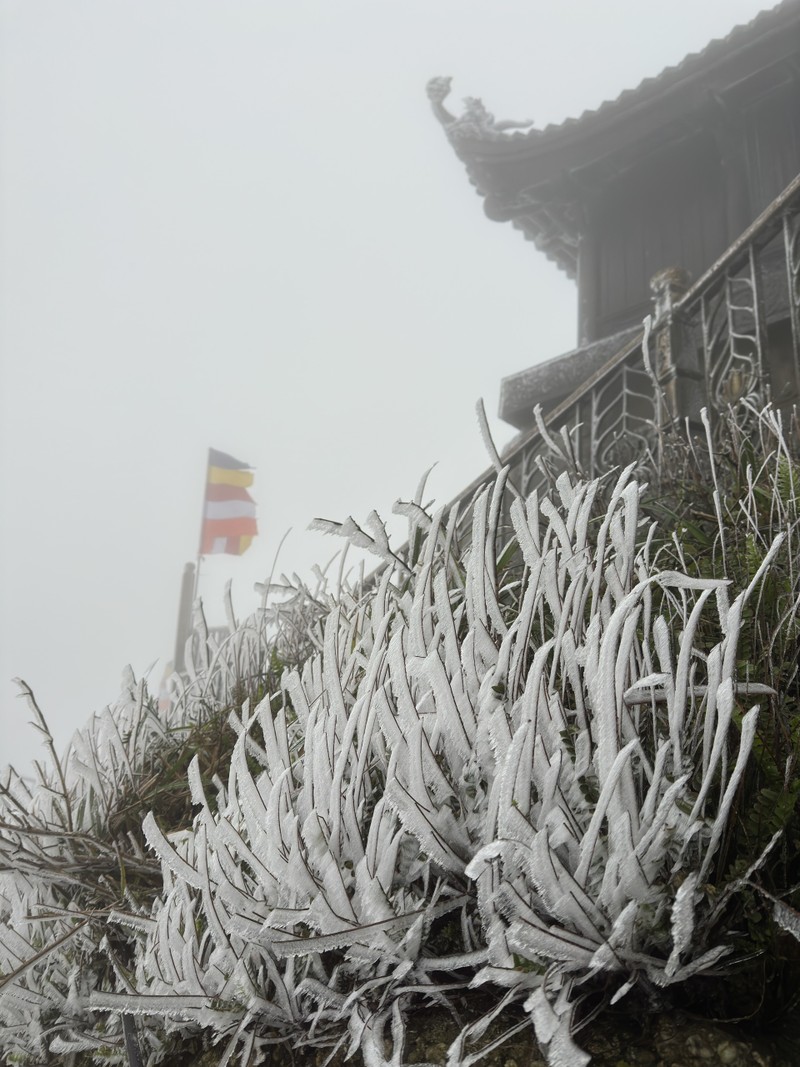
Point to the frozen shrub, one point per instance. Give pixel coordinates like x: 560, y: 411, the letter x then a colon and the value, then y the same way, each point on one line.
x: 517, y: 767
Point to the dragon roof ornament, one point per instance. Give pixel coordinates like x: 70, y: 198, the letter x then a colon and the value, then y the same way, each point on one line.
x: 475, y: 123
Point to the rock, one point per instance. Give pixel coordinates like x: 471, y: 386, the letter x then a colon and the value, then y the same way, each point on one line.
x: 656, y: 1040
x: 675, y: 1040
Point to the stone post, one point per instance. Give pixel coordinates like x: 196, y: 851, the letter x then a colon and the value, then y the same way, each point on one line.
x: 184, y: 628
x: 667, y: 287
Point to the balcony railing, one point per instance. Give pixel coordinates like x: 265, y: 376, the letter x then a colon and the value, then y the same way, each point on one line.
x: 733, y: 333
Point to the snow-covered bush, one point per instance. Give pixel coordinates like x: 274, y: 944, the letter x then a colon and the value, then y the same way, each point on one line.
x: 512, y: 767
x: 72, y: 848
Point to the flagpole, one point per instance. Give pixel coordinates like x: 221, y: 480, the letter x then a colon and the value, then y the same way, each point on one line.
x: 200, y: 556
x: 189, y: 587
x: 198, y: 561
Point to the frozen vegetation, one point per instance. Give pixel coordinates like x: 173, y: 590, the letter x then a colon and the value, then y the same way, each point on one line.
x: 545, y: 760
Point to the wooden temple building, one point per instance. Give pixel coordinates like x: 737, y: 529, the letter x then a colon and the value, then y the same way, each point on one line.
x: 679, y: 200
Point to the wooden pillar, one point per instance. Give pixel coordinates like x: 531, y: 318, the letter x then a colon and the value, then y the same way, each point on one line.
x: 728, y: 130
x: 588, y: 295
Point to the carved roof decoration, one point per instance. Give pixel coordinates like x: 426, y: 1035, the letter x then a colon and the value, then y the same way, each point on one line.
x: 541, y: 179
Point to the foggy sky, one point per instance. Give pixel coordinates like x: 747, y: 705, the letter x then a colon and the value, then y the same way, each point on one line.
x: 238, y: 225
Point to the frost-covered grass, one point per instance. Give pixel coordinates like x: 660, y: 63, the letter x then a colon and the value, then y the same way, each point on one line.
x: 525, y: 765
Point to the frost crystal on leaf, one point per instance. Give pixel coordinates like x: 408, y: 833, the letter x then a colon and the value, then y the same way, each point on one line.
x: 508, y: 766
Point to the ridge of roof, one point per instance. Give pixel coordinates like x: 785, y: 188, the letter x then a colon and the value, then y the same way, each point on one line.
x: 492, y: 151
x: 476, y: 123
x: 716, y: 46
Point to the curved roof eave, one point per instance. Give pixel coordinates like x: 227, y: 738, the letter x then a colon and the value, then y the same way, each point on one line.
x: 508, y: 162
x: 478, y: 138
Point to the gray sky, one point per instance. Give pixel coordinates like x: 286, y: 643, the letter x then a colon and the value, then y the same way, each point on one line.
x: 238, y: 225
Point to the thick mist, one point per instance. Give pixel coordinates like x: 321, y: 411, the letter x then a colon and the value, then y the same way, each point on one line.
x: 239, y: 226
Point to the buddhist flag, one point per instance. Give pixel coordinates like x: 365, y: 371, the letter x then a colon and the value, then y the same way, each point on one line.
x: 229, y: 512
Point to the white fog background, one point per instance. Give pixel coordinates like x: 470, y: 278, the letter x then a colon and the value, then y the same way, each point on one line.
x: 237, y: 224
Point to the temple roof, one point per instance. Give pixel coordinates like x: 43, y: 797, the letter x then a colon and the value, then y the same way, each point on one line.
x: 540, y: 179
x: 549, y: 382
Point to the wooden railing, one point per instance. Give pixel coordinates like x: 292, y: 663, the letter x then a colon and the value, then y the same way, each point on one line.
x: 735, y: 332
x: 740, y: 321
